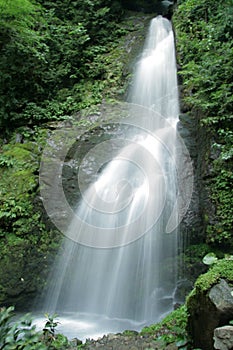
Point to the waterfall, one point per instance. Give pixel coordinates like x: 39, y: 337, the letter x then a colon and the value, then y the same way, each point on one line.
x: 124, y: 268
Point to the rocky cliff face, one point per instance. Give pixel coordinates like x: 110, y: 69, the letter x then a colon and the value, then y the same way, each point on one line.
x: 193, y: 225
x: 162, y: 7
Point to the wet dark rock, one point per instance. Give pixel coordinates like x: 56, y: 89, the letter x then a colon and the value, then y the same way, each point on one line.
x: 183, y: 287
x: 192, y: 224
x: 159, y: 7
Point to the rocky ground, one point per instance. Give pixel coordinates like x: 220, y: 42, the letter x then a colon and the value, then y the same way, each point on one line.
x: 133, y: 341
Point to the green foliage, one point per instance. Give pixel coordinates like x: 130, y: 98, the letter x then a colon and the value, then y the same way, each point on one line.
x: 19, y: 335
x: 17, y: 14
x: 18, y: 182
x: 197, y: 251
x: 19, y: 164
x: 171, y: 329
x: 22, y: 334
x: 22, y: 231
x: 49, y: 48
x: 21, y: 58
x: 205, y: 50
x: 50, y: 325
x: 221, y: 232
x: 5, y: 161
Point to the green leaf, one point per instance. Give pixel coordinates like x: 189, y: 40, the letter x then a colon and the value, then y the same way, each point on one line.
x: 181, y: 343
x: 209, y: 259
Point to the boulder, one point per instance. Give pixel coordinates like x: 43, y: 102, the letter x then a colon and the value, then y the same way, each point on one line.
x: 222, y: 298
x: 223, y: 338
x: 207, y: 311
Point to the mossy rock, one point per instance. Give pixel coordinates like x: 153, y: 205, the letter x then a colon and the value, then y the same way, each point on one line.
x: 210, y: 304
x: 25, y: 244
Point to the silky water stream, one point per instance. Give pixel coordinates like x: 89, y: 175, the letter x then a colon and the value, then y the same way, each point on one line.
x: 117, y: 269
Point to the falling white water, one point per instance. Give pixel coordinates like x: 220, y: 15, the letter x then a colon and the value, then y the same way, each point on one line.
x: 127, y: 208
x: 155, y: 84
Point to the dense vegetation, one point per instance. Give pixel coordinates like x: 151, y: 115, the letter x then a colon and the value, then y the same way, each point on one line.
x: 54, y: 57
x: 204, y: 32
x: 50, y: 51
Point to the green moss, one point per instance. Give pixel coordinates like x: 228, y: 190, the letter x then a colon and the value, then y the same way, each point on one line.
x: 18, y: 184
x: 221, y: 269
x: 20, y: 152
x: 129, y: 333
x: 171, y: 329
x: 19, y: 177
x: 25, y: 243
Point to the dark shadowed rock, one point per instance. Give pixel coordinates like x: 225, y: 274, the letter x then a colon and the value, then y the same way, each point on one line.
x: 209, y: 310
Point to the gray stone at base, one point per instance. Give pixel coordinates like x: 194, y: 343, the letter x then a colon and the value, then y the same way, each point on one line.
x: 221, y: 297
x: 223, y: 338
